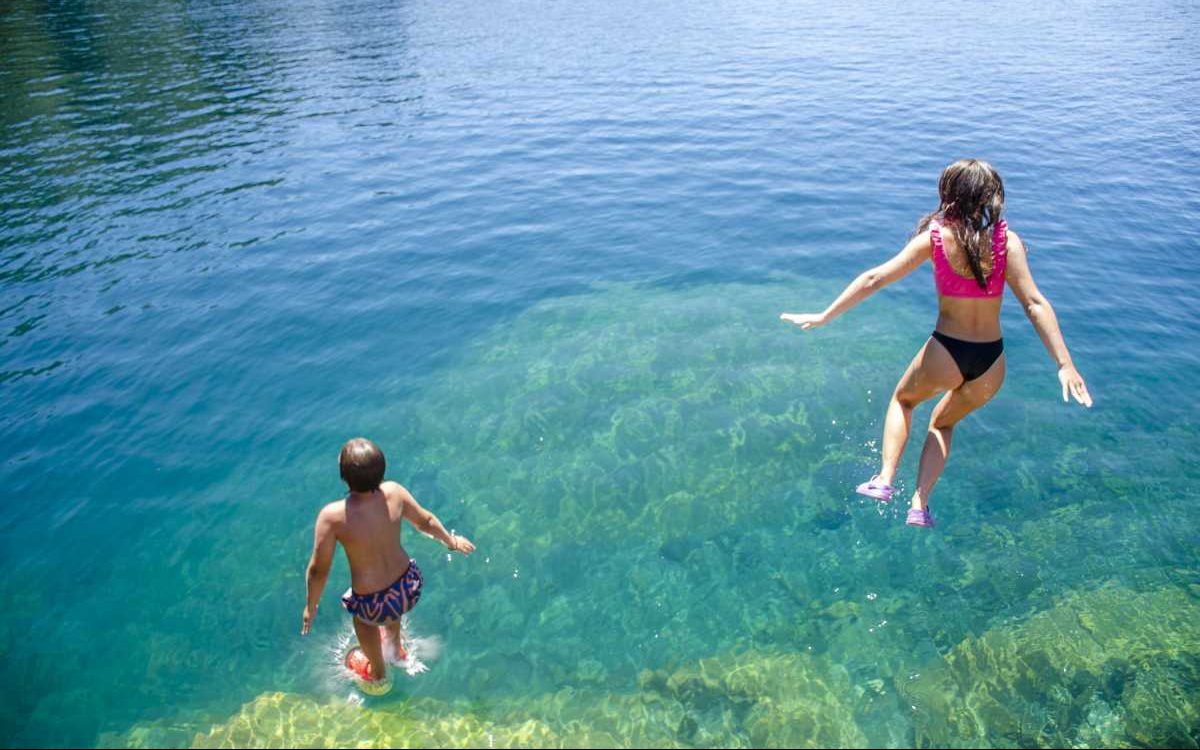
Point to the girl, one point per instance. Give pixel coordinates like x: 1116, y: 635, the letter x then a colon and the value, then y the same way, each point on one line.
x: 973, y: 254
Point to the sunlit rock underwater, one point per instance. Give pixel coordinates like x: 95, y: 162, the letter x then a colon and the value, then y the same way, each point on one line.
x: 660, y: 480
x: 642, y: 462
x: 1104, y: 668
x: 745, y: 700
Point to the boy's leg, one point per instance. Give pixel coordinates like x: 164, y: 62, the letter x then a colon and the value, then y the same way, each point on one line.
x: 371, y: 643
x: 392, y: 639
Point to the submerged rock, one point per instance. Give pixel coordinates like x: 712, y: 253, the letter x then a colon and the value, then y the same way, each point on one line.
x: 748, y: 700
x: 771, y: 700
x: 664, y: 474
x: 1105, y: 668
x: 284, y: 720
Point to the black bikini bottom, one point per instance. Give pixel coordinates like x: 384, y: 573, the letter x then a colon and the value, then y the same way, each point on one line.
x: 972, y: 357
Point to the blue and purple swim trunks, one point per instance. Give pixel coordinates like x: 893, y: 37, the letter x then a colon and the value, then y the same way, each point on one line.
x: 384, y: 607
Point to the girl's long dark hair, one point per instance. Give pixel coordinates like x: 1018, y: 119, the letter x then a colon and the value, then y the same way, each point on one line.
x: 972, y: 201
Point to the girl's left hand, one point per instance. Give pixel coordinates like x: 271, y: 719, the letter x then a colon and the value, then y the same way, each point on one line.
x: 1072, y: 382
x: 804, y: 320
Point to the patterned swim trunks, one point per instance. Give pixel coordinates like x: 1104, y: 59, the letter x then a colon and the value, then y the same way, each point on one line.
x: 384, y: 607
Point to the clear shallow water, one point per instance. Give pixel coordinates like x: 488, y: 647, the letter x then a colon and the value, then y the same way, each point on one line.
x: 537, y: 251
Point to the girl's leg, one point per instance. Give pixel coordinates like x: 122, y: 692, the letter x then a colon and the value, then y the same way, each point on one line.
x: 950, y: 411
x: 932, y: 371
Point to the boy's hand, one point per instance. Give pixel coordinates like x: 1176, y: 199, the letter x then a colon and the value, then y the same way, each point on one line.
x: 460, y: 544
x: 307, y: 621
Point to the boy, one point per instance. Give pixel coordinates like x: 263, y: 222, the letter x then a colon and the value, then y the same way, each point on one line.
x: 384, y: 582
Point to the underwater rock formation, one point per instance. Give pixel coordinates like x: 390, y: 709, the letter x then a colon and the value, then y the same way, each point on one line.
x: 777, y: 700
x: 1103, y: 668
x: 746, y: 700
x: 661, y: 475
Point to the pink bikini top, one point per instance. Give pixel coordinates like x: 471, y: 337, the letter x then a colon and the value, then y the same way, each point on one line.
x: 950, y: 284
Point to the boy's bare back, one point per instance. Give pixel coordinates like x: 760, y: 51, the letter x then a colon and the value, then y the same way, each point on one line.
x: 368, y: 527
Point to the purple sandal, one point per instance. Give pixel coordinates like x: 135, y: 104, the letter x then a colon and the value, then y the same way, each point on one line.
x: 920, y: 517
x: 877, y: 490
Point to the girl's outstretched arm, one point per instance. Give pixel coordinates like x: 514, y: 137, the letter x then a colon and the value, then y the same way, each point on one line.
x: 1041, y: 314
x: 868, y: 282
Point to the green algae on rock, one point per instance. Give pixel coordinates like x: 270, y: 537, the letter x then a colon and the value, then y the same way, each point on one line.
x: 618, y: 411
x: 665, y: 474
x: 745, y: 700
x: 1103, y: 668
x: 776, y: 700
x: 283, y: 720
x: 667, y: 441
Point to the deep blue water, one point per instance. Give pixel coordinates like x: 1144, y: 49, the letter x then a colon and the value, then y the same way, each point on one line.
x: 537, y: 250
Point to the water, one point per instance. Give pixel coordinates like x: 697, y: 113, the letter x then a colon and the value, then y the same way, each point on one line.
x: 537, y: 250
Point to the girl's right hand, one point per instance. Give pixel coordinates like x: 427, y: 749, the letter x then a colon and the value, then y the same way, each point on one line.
x: 805, y: 320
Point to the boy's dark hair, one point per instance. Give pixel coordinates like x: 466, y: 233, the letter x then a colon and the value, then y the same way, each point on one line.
x: 362, y: 465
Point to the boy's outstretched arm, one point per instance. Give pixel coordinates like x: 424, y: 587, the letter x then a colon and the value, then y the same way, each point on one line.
x: 916, y: 252
x: 324, y: 544
x: 429, y: 525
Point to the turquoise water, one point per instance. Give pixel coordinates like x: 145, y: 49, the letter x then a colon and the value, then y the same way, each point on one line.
x: 537, y: 250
